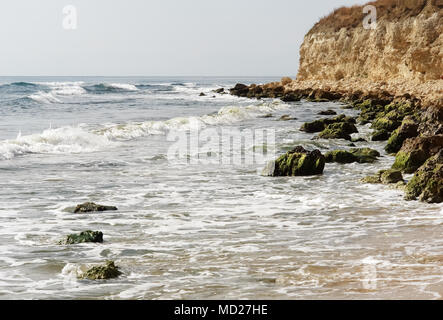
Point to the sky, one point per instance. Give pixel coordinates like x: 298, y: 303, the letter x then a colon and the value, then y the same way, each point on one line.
x: 156, y: 38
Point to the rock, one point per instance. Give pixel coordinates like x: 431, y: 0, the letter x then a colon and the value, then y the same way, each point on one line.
x: 320, y: 125
x: 107, y: 271
x: 372, y: 179
x: 92, y: 207
x: 340, y: 130
x: 340, y: 156
x: 297, y: 162
x: 386, y: 124
x: 360, y: 155
x: 415, y: 151
x: 385, y: 177
x: 314, y: 126
x: 427, y: 182
x: 380, y: 135
x: 358, y: 140
x: 268, y: 115
x: 391, y: 176
x: 240, y: 89
x: 328, y: 112
x: 285, y: 81
x: 431, y: 122
x: 202, y: 94
x: 366, y: 155
x: 220, y: 91
x: 286, y: 117
x: 290, y: 97
x: 408, y: 129
x: 85, y: 236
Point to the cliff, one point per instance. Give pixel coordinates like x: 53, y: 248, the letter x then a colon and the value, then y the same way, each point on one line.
x: 407, y: 43
x: 392, y: 74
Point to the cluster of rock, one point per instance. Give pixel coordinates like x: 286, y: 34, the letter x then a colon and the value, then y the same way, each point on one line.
x: 92, y: 207
x: 297, y: 162
x: 385, y: 177
x: 107, y: 270
x: 339, y: 127
x: 360, y: 155
x: 413, y: 130
x: 427, y: 183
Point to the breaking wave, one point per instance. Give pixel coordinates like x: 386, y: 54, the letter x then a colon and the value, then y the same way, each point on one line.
x: 60, y: 140
x: 225, y: 116
x: 78, y: 140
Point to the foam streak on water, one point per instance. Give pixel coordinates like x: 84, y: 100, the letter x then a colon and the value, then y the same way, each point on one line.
x: 201, y: 231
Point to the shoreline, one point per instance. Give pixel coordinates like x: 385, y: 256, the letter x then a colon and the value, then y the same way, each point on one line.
x: 406, y: 114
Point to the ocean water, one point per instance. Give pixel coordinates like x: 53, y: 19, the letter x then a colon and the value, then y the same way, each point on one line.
x: 195, y: 229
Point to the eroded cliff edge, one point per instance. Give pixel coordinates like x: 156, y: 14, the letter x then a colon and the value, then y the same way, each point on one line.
x: 406, y: 43
x: 393, y: 74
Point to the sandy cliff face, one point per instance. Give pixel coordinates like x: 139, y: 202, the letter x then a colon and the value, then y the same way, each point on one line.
x: 407, y: 44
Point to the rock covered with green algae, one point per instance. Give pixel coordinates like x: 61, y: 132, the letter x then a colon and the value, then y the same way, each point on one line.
x: 321, y: 124
x: 92, y: 207
x: 380, y: 135
x: 385, y: 119
x: 415, y: 151
x: 389, y: 176
x: 408, y: 129
x: 427, y: 183
x: 107, y: 271
x: 85, y: 236
x: 360, y: 155
x: 340, y: 130
x: 297, y: 162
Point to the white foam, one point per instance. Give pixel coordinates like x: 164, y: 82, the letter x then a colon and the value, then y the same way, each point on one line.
x: 44, y: 97
x: 66, y: 88
x: 226, y: 115
x: 74, y: 271
x: 60, y: 140
x: 122, y: 86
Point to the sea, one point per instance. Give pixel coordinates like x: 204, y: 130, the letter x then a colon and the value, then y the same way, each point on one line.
x: 197, y: 217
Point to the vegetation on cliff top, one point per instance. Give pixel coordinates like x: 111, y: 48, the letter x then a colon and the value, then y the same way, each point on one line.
x: 351, y: 17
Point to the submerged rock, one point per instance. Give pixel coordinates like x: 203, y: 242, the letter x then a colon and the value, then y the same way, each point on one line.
x: 297, y: 162
x: 220, y: 91
x: 328, y: 112
x: 427, y: 182
x: 286, y: 117
x: 107, y: 271
x: 391, y: 176
x: 415, y: 151
x: 385, y: 177
x: 92, y: 207
x: 360, y: 155
x: 358, y: 140
x: 85, y: 236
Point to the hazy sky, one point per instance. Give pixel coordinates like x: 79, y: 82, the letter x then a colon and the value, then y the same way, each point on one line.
x: 162, y: 37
